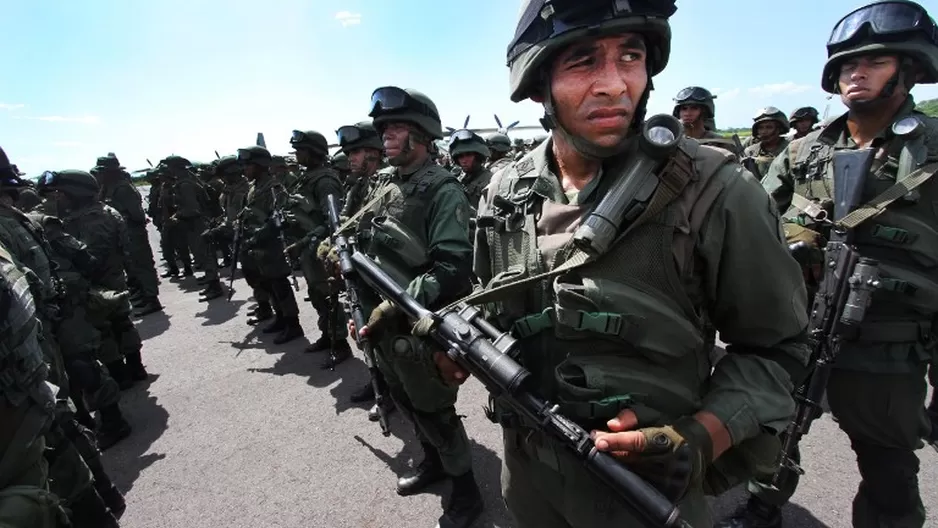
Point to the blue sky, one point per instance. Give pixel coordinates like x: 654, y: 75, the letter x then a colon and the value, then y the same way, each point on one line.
x: 148, y: 78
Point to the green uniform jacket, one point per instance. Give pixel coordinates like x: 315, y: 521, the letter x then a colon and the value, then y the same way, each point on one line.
x: 262, y: 244
x: 189, y: 197
x: 233, y: 199
x: 432, y: 204
x: 312, y: 212
x: 475, y: 185
x: 764, y: 156
x: 102, y: 230
x: 898, y: 330
x: 629, y: 330
x: 126, y: 199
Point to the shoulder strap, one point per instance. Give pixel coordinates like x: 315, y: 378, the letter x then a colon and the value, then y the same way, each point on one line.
x: 672, y: 180
x: 365, y: 208
x: 899, y: 189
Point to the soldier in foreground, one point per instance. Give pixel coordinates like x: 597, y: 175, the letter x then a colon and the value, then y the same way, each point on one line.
x: 803, y: 120
x: 618, y: 342
x: 877, y: 388
x: 425, y: 207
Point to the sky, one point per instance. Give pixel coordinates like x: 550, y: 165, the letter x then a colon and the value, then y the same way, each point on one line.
x: 149, y: 78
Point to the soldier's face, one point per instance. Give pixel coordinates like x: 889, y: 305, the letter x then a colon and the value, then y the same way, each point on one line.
x: 397, y: 144
x: 863, y: 78
x: 251, y: 171
x: 467, y: 161
x: 303, y: 157
x: 363, y: 161
x: 690, y: 113
x: 767, y: 130
x: 596, y: 84
x: 802, y: 126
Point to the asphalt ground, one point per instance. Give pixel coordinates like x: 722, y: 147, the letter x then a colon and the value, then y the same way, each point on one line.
x: 232, y: 431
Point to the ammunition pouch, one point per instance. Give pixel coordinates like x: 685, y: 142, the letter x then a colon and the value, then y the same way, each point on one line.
x: 106, y: 301
x: 397, y: 249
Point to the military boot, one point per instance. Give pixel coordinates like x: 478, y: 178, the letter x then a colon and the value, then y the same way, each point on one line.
x: 262, y: 313
x: 211, y: 292
x: 170, y: 273
x: 88, y: 510
x: 187, y: 270
x: 291, y: 330
x: 148, y: 307
x: 755, y: 514
x: 340, y: 352
x: 279, y: 324
x: 109, y: 493
x: 134, y: 368
x: 387, y: 404
x: 118, y: 372
x: 465, y: 503
x: 429, y: 471
x: 323, y: 343
x: 364, y: 394
x: 113, y: 427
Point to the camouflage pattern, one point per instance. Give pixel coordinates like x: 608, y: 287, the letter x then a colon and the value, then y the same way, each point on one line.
x: 124, y: 197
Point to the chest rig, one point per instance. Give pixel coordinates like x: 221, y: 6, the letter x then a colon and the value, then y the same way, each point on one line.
x: 623, y: 328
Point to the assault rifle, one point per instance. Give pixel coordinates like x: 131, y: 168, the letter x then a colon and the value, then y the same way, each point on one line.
x: 480, y: 348
x: 235, y: 251
x: 276, y: 215
x: 355, y: 310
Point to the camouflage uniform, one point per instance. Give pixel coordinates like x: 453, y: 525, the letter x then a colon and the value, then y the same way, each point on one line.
x: 118, y: 192
x: 759, y: 151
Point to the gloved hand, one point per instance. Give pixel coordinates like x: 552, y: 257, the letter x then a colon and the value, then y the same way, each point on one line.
x: 380, y: 318
x: 671, y: 457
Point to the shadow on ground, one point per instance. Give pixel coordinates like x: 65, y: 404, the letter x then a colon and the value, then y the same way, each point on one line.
x: 793, y: 514
x: 219, y: 311
x: 152, y: 325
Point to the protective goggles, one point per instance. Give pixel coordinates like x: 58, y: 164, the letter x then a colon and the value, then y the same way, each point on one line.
x: 694, y: 93
x: 245, y: 156
x: 392, y: 99
x: 884, y: 19
x: 352, y: 134
x: 298, y: 136
x: 48, y: 178
x: 546, y: 19
x: 463, y: 135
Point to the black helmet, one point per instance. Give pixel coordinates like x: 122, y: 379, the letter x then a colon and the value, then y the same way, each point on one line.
x: 464, y: 141
x: 76, y: 183
x: 359, y: 135
x: 227, y: 166
x: 695, y: 95
x: 254, y: 155
x: 390, y: 103
x: 805, y: 112
x: 311, y: 140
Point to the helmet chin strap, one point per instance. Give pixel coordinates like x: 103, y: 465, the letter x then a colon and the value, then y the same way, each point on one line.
x: 587, y: 148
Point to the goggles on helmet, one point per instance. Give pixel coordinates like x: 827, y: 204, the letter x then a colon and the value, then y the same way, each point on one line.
x: 883, y: 19
x: 694, y: 93
x: 392, y: 99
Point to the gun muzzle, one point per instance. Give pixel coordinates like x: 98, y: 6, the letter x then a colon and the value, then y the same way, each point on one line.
x: 629, y: 196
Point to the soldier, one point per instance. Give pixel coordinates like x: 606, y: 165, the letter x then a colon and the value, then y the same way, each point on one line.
x: 340, y: 164
x: 262, y: 258
x: 500, y: 150
x: 768, y: 127
x: 118, y: 192
x: 361, y: 144
x: 803, y: 121
x: 470, y: 152
x: 618, y: 340
x: 694, y: 107
x: 877, y: 388
x: 27, y: 408
x: 232, y: 199
x: 28, y: 197
x: 72, y: 196
x: 192, y: 205
x: 315, y: 183
x: 172, y: 236
x: 280, y: 170
x: 420, y: 232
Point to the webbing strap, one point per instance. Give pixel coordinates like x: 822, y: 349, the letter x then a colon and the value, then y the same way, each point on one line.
x: 899, y: 189
x: 672, y: 180
x: 352, y: 220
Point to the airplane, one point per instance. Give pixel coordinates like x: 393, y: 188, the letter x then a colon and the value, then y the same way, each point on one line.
x: 501, y: 129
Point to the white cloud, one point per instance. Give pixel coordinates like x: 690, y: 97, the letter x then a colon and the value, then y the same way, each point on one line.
x: 88, y: 120
x: 347, y: 18
x: 785, y: 88
x: 729, y: 94
x: 8, y: 106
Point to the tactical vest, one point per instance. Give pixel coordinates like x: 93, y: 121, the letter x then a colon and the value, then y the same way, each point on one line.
x: 36, y: 249
x: 763, y: 158
x: 904, y: 238
x: 499, y: 164
x: 407, y: 204
x: 622, y: 330
x: 475, y: 185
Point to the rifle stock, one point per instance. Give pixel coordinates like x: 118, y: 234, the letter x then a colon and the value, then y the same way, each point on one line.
x: 484, y: 351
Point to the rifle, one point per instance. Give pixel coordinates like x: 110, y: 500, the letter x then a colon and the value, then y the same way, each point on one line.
x: 277, y: 216
x: 355, y: 310
x: 235, y: 250
x: 747, y: 161
x: 480, y: 348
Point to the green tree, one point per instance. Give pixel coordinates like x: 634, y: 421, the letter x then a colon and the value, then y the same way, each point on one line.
x: 929, y: 107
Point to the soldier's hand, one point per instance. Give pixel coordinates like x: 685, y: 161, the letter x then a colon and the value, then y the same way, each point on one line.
x: 450, y: 371
x: 661, y: 455
x: 380, y: 318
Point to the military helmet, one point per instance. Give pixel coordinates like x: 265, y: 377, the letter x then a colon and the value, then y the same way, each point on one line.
x: 177, y: 163
x: 340, y: 162
x: 518, y: 142
x: 9, y: 174
x: 278, y: 161
x: 498, y: 142
x: 546, y: 26
x: 227, y: 165
x: 805, y: 112
x: 770, y: 113
x: 107, y: 163
x: 255, y: 155
x: 697, y: 96
x: 886, y: 26
x: 75, y: 183
x: 359, y: 135
x: 463, y: 141
x: 311, y: 140
x: 390, y: 103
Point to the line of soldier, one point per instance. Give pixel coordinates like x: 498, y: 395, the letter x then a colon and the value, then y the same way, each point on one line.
x: 72, y: 265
